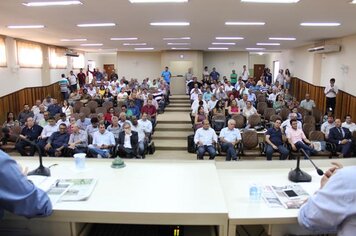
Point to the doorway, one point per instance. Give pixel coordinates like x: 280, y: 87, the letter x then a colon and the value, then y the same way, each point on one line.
x: 275, y: 70
x: 109, y: 69
x: 258, y: 70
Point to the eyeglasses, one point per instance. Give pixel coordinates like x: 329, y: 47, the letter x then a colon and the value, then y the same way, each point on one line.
x: 126, y: 127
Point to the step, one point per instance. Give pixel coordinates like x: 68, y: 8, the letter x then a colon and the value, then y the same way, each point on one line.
x: 182, y: 105
x: 171, y: 144
x: 183, y: 96
x: 172, y: 135
x: 174, y: 116
x: 181, y: 109
x: 179, y: 101
x: 174, y: 122
x: 176, y: 127
x: 172, y: 155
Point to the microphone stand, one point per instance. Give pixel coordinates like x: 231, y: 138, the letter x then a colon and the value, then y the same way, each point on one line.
x: 297, y: 175
x: 41, y: 170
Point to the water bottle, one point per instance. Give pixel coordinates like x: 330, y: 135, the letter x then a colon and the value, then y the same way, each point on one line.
x: 255, y: 193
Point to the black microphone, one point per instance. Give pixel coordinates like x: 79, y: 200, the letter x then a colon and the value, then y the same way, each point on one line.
x: 41, y: 170
x: 319, y: 171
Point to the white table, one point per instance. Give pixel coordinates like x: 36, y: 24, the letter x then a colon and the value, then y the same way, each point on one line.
x: 236, y: 178
x: 144, y: 192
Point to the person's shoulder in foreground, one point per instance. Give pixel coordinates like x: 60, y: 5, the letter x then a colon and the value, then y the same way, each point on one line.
x: 333, y: 208
x: 17, y: 194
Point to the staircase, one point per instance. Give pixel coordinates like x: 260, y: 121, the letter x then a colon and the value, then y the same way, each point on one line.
x: 173, y: 127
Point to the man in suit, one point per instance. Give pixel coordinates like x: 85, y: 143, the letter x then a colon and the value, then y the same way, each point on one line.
x: 342, y: 138
x: 128, y: 142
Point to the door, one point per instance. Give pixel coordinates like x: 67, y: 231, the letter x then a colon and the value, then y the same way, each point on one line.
x: 258, y: 71
x: 109, y: 68
x: 275, y: 70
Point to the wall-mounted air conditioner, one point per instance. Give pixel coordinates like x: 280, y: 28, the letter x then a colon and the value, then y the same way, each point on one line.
x: 71, y: 53
x: 325, y: 48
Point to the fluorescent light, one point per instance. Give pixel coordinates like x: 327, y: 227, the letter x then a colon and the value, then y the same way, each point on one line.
x: 271, y: 1
x: 91, y: 44
x: 244, y: 23
x: 229, y: 38
x: 180, y: 48
x: 353, y: 2
x: 268, y: 44
x: 181, y: 38
x: 54, y: 3
x: 282, y: 39
x: 170, y: 23
x: 255, y: 49
x: 134, y: 44
x: 123, y: 39
x: 73, y: 40
x: 96, y: 25
x: 218, y: 48
x: 25, y: 26
x: 156, y: 1
x: 321, y: 24
x: 223, y: 43
x: 177, y: 44
x: 143, y: 49
x: 261, y: 53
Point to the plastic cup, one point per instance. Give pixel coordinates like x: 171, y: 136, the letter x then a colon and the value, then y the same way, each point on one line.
x: 79, y: 159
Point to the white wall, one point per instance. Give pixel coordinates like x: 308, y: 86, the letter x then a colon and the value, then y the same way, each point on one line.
x: 225, y: 62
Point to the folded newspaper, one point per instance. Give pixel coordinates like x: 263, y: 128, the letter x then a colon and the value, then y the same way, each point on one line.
x: 64, y: 189
x: 288, y: 196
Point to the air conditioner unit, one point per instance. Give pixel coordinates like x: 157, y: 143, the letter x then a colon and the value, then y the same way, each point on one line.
x: 325, y: 48
x: 71, y: 53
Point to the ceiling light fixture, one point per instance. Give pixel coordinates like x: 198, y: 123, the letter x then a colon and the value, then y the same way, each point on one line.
x: 181, y: 38
x: 25, y: 26
x: 97, y: 25
x: 170, y: 23
x: 215, y: 43
x: 255, y: 49
x: 353, y: 2
x: 143, y: 49
x: 320, y: 24
x: 244, y: 23
x: 134, y: 44
x: 268, y: 44
x: 123, y: 39
x: 180, y: 48
x: 157, y: 1
x: 177, y: 44
x: 213, y: 48
x: 54, y: 3
x: 73, y: 40
x: 229, y: 38
x: 91, y: 44
x: 271, y: 1
x: 282, y: 39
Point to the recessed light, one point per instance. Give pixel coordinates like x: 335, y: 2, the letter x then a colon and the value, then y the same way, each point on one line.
x: 91, y: 44
x: 123, y: 39
x: 177, y: 44
x: 244, y: 23
x: 96, y: 25
x: 180, y: 48
x: 25, y: 26
x: 181, y: 38
x: 215, y: 43
x: 73, y: 40
x: 218, y: 48
x: 170, y: 23
x: 271, y: 1
x: 143, y: 49
x: 282, y: 39
x: 255, y: 49
x: 54, y: 3
x: 268, y: 44
x: 134, y: 44
x: 321, y: 24
x: 157, y: 1
x: 229, y: 38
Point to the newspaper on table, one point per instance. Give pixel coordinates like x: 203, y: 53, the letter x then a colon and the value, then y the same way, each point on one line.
x: 288, y: 196
x: 65, y: 189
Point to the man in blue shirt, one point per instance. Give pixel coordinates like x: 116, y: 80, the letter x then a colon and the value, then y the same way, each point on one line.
x: 333, y: 207
x: 30, y: 132
x: 57, y: 141
x: 166, y: 75
x: 214, y: 75
x: 274, y: 141
x: 18, y: 195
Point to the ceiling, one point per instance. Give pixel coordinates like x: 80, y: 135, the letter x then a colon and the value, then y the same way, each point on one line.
x: 207, y: 20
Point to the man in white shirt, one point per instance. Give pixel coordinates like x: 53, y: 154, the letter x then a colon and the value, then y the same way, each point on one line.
x: 103, y: 141
x: 47, y: 131
x: 145, y: 123
x: 245, y: 74
x: 229, y: 137
x: 272, y: 97
x: 308, y: 104
x: 73, y: 81
x: 280, y: 77
x: 349, y: 124
x: 136, y: 126
x: 286, y: 124
x: 331, y: 91
x: 205, y: 138
x: 212, y: 103
x: 327, y: 125
x: 196, y: 102
x: 36, y: 108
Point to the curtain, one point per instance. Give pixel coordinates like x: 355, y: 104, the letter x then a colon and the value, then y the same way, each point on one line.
x: 2, y: 52
x: 29, y: 54
x: 57, y: 58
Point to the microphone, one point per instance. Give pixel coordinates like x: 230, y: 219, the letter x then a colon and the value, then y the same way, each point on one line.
x: 41, y: 170
x: 319, y: 171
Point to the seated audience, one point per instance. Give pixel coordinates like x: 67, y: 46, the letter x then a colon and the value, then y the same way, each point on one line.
x: 150, y: 110
x: 30, y: 132
x: 341, y: 137
x: 83, y: 122
x: 103, y: 141
x: 274, y: 141
x: 229, y: 137
x: 219, y: 109
x: 63, y: 119
x: 40, y: 114
x: 279, y: 103
x: 36, y: 108
x: 142, y: 141
x: 128, y: 142
x: 199, y: 118
x: 93, y: 127
x: 233, y: 109
x: 57, y: 142
x: 78, y: 142
x: 349, y: 124
x: 249, y: 110
x: 54, y: 108
x: 24, y: 114
x: 308, y: 104
x: 67, y: 108
x: 114, y: 127
x: 205, y: 138
x: 327, y: 125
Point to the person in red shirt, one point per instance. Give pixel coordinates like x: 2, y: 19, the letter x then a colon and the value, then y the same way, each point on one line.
x: 82, y: 78
x: 108, y: 115
x: 150, y: 110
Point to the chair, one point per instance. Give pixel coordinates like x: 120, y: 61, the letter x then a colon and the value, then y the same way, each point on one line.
x: 108, y: 104
x: 102, y: 110
x: 307, y: 128
x: 261, y: 98
x: 240, y: 121
x: 218, y: 122
x: 85, y: 110
x: 254, y: 120
x: 309, y: 119
x: 249, y: 143
x: 92, y: 105
x: 318, y: 115
x: 261, y: 107
x: 268, y: 112
x: 117, y: 111
x: 11, y: 142
x: 76, y: 107
x: 57, y: 117
x: 284, y: 113
x: 273, y: 119
x: 318, y: 136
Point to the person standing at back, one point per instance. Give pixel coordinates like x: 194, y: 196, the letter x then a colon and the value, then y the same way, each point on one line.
x: 166, y: 75
x: 331, y: 91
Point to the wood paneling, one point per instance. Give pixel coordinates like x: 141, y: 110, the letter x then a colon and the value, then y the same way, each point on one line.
x: 345, y: 103
x: 14, y: 102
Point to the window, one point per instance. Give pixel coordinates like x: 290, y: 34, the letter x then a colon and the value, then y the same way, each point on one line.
x: 57, y: 58
x: 78, y: 62
x: 29, y: 54
x: 2, y: 52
